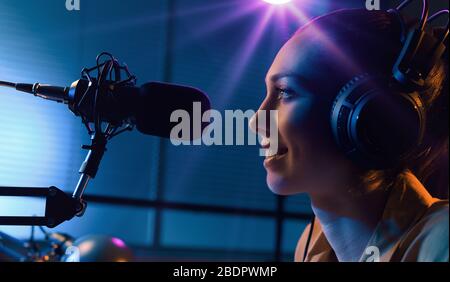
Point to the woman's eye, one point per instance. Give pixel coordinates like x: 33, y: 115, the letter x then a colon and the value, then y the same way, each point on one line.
x: 284, y: 94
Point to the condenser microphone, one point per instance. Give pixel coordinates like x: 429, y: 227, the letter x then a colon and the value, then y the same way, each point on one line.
x: 149, y: 107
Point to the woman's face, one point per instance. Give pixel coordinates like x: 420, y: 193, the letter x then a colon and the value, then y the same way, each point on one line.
x: 299, y: 87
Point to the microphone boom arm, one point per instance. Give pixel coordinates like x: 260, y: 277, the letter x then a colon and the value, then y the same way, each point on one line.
x: 60, y: 206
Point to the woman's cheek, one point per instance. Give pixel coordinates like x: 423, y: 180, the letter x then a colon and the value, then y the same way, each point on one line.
x: 294, y: 122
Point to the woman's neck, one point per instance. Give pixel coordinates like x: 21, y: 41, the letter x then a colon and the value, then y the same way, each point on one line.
x: 348, y: 218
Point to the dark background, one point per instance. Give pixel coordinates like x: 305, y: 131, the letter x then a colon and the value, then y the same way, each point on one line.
x: 168, y: 203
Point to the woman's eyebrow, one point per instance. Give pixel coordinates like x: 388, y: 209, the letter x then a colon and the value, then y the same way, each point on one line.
x: 278, y: 76
x: 297, y: 77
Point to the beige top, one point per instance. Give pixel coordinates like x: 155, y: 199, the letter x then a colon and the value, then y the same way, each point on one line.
x: 414, y: 227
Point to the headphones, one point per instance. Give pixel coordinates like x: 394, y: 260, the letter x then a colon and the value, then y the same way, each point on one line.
x: 379, y: 120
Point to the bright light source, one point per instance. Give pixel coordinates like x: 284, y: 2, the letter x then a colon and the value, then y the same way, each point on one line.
x: 277, y: 2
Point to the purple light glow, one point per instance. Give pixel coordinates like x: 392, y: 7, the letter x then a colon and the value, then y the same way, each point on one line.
x: 238, y: 12
x: 325, y: 40
x: 238, y: 65
x: 118, y: 242
x: 156, y: 17
x: 277, y: 2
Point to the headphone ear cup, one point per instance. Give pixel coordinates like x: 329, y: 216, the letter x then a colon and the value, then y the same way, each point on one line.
x: 375, y: 125
x: 340, y: 113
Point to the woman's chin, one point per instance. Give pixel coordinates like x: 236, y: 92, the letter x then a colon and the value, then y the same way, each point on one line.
x: 279, y: 185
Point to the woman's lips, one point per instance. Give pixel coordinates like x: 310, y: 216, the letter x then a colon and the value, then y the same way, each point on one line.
x: 274, y: 159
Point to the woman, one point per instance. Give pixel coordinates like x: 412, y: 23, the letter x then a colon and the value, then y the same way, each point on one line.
x: 361, y: 213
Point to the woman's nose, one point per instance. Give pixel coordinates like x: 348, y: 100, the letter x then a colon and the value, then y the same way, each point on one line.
x: 259, y: 123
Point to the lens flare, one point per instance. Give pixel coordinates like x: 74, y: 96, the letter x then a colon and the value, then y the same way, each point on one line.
x: 277, y: 2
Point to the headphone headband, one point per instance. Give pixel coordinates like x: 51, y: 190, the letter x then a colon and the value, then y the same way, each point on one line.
x: 421, y: 51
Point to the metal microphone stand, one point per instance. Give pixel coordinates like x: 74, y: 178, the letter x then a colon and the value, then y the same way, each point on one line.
x: 59, y: 206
